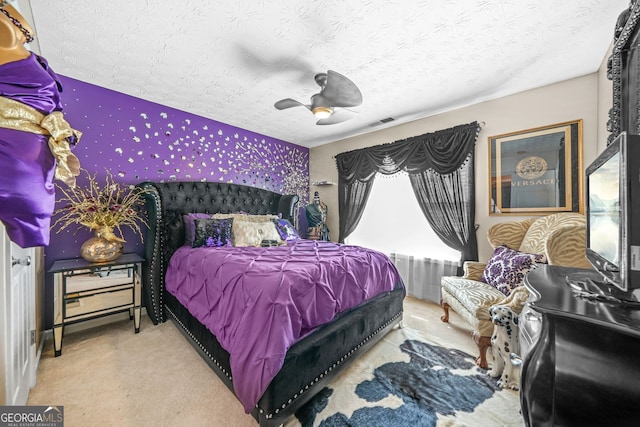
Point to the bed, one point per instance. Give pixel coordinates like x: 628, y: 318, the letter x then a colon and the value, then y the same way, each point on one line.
x: 312, y: 359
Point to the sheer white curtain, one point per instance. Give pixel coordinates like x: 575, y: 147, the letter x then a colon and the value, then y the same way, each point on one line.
x: 393, y: 223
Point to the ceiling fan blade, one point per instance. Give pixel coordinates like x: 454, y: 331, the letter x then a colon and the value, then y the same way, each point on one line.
x: 340, y: 91
x: 288, y: 103
x: 339, y: 115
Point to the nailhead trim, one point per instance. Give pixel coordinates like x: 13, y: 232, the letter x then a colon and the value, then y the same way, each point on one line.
x: 157, y: 308
x: 209, y: 355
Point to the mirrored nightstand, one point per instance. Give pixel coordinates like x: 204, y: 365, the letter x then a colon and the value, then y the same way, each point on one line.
x: 84, y: 290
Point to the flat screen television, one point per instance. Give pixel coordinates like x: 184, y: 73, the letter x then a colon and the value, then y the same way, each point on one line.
x: 613, y: 213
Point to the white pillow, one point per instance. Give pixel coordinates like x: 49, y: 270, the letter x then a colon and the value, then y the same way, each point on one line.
x: 247, y: 233
x: 245, y: 217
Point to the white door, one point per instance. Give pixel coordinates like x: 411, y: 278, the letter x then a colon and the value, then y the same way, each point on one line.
x: 18, y: 319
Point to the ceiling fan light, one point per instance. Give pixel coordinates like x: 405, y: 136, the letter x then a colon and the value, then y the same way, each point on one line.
x: 322, y: 112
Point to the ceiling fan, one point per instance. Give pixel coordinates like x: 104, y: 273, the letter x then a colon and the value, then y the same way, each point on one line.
x: 327, y: 106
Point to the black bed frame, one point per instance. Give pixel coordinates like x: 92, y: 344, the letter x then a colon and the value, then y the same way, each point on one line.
x: 311, y: 362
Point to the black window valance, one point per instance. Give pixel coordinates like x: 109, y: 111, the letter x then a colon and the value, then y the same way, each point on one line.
x: 443, y: 151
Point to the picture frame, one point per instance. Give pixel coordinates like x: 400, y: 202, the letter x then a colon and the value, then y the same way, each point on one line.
x: 537, y: 171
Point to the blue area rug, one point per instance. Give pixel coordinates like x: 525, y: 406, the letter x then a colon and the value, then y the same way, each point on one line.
x: 406, y: 381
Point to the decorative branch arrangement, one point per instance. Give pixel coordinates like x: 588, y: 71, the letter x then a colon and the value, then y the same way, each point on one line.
x: 102, y: 208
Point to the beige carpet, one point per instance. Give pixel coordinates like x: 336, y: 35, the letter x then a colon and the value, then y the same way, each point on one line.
x: 109, y: 376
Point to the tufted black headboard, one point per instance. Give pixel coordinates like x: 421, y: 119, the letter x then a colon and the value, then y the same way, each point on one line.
x: 166, y: 203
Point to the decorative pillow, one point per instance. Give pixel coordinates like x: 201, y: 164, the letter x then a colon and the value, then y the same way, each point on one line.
x: 246, y: 217
x: 190, y: 226
x: 286, y: 230
x: 506, y: 269
x: 247, y: 213
x: 212, y: 232
x: 246, y: 233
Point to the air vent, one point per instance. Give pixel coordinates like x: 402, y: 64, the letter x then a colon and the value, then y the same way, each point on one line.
x: 382, y: 121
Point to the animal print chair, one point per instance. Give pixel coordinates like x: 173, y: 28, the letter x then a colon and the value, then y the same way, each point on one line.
x: 560, y: 237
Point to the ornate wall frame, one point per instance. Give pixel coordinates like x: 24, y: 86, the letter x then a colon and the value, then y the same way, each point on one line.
x: 623, y: 68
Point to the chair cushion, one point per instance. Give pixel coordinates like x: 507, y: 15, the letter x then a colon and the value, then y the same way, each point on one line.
x: 475, y: 296
x: 507, y: 267
x: 539, y: 231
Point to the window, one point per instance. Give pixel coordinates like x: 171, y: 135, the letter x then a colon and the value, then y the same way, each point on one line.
x: 393, y: 222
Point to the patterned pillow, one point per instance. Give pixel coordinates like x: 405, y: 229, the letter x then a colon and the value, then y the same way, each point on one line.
x: 247, y: 233
x: 506, y: 269
x: 286, y: 229
x: 212, y: 232
x: 190, y: 226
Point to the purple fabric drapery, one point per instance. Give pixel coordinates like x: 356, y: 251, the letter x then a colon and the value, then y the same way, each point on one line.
x: 27, y: 167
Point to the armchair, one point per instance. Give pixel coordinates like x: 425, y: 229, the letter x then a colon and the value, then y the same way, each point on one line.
x: 560, y: 237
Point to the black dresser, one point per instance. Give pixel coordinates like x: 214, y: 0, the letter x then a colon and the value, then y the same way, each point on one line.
x: 581, y: 358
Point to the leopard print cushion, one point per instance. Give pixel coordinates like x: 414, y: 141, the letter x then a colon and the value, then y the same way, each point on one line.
x: 507, y: 267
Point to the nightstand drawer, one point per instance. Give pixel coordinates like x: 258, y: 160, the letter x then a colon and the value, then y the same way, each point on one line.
x: 101, y: 302
x: 85, y: 280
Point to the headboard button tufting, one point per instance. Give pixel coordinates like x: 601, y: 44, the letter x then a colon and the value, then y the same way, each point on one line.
x: 178, y: 198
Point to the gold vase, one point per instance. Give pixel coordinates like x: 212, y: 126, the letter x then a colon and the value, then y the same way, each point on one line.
x: 100, y: 249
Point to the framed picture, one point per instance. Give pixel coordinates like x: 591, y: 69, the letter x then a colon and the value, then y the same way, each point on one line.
x: 536, y: 171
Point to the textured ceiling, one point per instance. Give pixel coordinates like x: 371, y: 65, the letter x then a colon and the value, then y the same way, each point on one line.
x: 231, y: 61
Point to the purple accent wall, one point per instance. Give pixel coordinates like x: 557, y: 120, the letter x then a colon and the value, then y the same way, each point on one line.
x: 138, y: 140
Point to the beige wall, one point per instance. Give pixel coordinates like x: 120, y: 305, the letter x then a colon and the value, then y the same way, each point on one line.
x: 566, y: 101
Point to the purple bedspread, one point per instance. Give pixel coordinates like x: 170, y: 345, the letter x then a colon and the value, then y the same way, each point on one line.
x: 259, y: 301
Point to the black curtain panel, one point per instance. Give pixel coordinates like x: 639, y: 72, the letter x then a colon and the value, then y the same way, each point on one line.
x: 352, y: 198
x: 448, y: 203
x: 440, y: 165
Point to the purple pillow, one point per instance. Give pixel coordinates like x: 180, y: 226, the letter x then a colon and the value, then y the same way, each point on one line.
x: 286, y: 230
x: 190, y: 226
x: 212, y: 232
x: 506, y: 269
